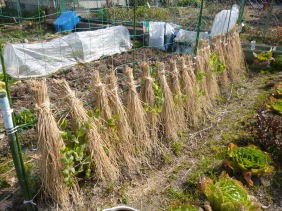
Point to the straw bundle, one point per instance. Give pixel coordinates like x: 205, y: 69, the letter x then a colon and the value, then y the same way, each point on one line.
x: 211, y: 82
x: 193, y: 112
x: 201, y: 75
x: 217, y: 49
x: 109, y: 133
x: 212, y: 85
x: 178, y: 97
x: 50, y: 144
x: 230, y: 57
x: 123, y: 129
x: 149, y: 98
x: 100, y: 97
x: 104, y: 167
x: 238, y: 51
x: 191, y: 70
x: 168, y: 114
x: 137, y: 116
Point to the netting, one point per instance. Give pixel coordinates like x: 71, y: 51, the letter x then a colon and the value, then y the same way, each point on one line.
x: 155, y: 32
x: 168, y: 26
x: 262, y: 22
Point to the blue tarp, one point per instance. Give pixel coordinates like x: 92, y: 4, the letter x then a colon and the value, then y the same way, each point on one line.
x: 66, y: 22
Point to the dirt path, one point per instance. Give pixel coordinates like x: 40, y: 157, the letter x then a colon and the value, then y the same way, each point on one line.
x: 202, y: 154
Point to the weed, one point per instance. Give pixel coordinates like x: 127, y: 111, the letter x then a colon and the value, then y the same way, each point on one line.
x: 124, y: 198
x: 109, y: 189
x: 176, y: 148
x: 25, y: 119
x: 167, y: 159
x: 173, y: 193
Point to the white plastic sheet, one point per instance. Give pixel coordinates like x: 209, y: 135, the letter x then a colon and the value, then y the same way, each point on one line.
x: 185, y: 41
x: 156, y: 35
x: 160, y: 34
x: 225, y: 20
x: 26, y: 60
x: 189, y: 36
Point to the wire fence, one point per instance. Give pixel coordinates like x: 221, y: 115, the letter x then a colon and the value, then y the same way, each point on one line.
x: 262, y: 22
x: 32, y: 21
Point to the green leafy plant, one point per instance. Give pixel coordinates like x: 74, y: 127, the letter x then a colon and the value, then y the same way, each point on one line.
x: 25, y: 119
x: 186, y: 207
x: 75, y: 158
x: 176, y: 148
x: 200, y: 76
x: 227, y: 194
x: 249, y: 160
x: 216, y: 64
x: 264, y: 56
x: 275, y: 100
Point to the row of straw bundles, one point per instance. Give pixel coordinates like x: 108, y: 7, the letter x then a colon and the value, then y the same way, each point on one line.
x: 188, y: 91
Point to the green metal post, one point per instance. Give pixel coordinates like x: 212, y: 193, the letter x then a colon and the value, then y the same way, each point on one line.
x: 241, y: 11
x: 199, y: 27
x: 14, y: 142
x: 134, y: 35
x: 174, y: 11
x: 19, y: 10
x: 268, y: 18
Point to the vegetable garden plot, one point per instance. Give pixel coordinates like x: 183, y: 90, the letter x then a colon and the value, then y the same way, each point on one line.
x: 126, y: 153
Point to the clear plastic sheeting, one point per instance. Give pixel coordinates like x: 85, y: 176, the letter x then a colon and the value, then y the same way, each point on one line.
x: 224, y: 21
x: 189, y: 36
x: 156, y: 35
x: 185, y: 41
x: 161, y: 34
x: 43, y: 58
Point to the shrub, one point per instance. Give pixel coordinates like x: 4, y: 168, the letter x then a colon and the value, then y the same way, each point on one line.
x: 185, y: 3
x: 277, y: 64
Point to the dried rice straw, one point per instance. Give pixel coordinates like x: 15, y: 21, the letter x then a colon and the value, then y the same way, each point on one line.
x: 238, y: 51
x: 212, y: 85
x: 223, y: 77
x: 109, y: 133
x: 177, y: 96
x: 104, y: 167
x: 201, y: 74
x: 230, y: 58
x: 153, y: 110
x: 193, y: 111
x: 123, y: 129
x: 168, y: 114
x: 50, y: 145
x: 137, y: 116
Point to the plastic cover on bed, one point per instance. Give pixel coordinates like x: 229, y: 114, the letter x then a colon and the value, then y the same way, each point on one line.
x: 225, y: 20
x: 26, y: 60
